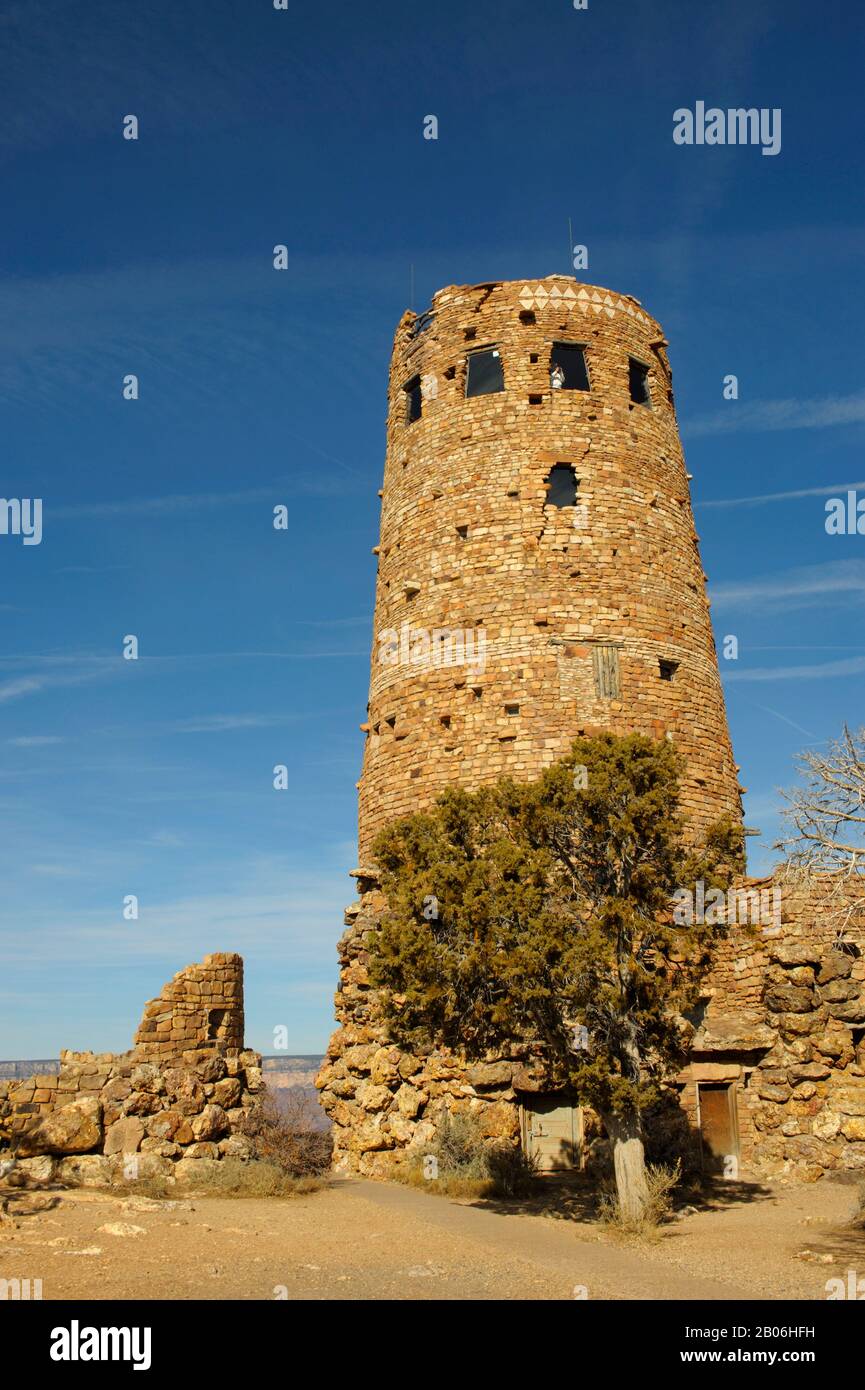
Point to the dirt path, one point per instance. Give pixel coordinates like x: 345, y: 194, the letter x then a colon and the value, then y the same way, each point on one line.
x: 364, y: 1240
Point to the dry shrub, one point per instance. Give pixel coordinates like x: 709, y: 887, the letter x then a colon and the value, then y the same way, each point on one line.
x: 468, y: 1165
x: 283, y: 1137
x: 238, y: 1177
x: 661, y: 1180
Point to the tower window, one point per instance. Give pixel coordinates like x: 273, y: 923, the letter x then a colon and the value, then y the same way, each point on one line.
x: 527, y: 316
x: 562, y: 484
x: 512, y: 709
x: 667, y: 669
x: 568, y: 367
x: 605, y: 661
x: 638, y: 382
x: 485, y: 374
x: 413, y: 400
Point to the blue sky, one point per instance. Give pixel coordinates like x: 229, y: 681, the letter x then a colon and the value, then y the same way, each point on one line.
x: 259, y: 387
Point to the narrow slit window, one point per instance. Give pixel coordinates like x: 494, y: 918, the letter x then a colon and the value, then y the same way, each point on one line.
x: 413, y: 400
x: 638, y: 382
x: 667, y: 669
x: 485, y: 374
x: 568, y: 371
x: 562, y: 484
x: 605, y: 661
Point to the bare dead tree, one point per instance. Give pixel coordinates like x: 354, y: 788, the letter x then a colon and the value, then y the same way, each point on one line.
x: 825, y: 816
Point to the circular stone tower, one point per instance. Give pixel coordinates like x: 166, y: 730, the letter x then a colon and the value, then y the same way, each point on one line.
x: 539, y: 572
x: 539, y: 578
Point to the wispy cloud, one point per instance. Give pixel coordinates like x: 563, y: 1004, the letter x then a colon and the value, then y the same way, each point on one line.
x: 180, y: 503
x: 34, y: 685
x: 34, y: 740
x: 221, y: 723
x: 790, y: 589
x: 829, y: 490
x: 13, y: 690
x: 758, y: 417
x: 830, y: 670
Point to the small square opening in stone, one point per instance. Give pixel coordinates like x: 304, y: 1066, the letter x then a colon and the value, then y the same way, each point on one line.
x: 512, y: 709
x: 667, y: 669
x: 484, y: 374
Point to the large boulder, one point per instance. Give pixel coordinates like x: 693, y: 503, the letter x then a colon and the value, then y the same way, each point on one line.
x: 211, y: 1124
x: 227, y: 1092
x: 124, y: 1137
x: 87, y: 1170
x: 75, y: 1128
x: 146, y: 1077
x: 170, y: 1127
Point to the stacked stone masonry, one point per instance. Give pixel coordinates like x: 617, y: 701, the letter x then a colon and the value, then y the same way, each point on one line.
x: 470, y: 544
x: 178, y: 1097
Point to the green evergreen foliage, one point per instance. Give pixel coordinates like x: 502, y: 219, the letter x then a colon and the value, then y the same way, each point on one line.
x: 532, y: 911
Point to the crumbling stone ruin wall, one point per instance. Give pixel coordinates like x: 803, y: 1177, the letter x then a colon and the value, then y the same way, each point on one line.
x: 570, y: 618
x: 200, y: 1006
x: 538, y: 578
x: 784, y: 1029
x: 176, y: 1099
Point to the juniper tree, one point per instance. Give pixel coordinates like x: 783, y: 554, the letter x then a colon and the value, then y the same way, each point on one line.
x: 540, y: 912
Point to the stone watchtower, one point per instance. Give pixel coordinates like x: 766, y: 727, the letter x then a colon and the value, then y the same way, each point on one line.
x: 539, y: 578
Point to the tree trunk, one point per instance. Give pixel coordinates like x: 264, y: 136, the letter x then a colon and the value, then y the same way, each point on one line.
x: 629, y: 1164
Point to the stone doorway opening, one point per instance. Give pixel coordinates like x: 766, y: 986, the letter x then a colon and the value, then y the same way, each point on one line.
x: 719, y: 1128
x: 552, y: 1131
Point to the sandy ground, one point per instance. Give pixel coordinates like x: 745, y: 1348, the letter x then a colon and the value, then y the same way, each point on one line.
x: 364, y: 1240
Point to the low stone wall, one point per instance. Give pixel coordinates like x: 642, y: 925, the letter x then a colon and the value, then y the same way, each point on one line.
x: 782, y: 1021
x: 178, y: 1097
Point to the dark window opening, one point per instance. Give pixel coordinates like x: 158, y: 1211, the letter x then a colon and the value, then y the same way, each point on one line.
x: 485, y: 374
x: 668, y: 669
x: 470, y: 333
x: 638, y: 382
x: 605, y: 661
x: 568, y: 367
x: 450, y: 373
x: 414, y: 403
x: 536, y: 400
x: 462, y: 532
x: 216, y: 1024
x: 562, y: 484
x: 512, y: 709
x: 533, y: 357
x: 445, y: 719
x: 527, y: 316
